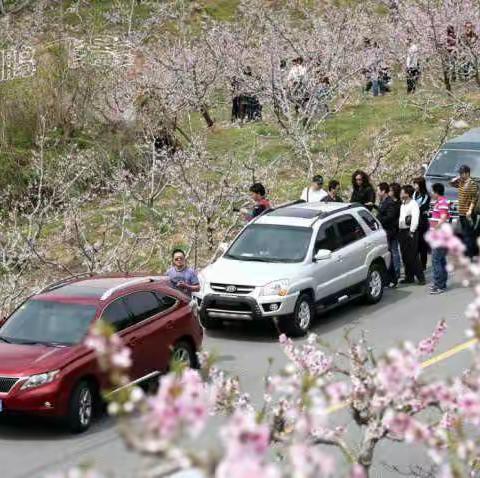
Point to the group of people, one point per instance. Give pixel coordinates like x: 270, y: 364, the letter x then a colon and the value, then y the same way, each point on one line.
x: 306, y: 89
x: 406, y: 213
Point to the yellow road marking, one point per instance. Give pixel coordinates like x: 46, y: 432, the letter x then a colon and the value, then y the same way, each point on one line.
x: 428, y: 363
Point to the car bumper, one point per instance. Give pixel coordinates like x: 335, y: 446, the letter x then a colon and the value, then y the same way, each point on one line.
x: 46, y: 400
x: 246, y: 308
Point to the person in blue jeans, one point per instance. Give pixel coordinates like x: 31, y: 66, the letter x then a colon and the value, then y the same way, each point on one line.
x: 440, y: 215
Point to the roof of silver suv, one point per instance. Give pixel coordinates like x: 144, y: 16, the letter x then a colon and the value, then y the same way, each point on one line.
x: 303, y: 214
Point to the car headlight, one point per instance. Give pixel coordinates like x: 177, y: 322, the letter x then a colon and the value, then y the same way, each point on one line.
x: 278, y: 287
x: 40, y: 379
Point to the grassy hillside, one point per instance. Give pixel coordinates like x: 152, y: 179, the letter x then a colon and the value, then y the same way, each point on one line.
x: 372, y: 133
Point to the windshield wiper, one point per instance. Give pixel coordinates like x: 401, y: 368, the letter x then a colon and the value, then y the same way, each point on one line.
x: 3, y: 339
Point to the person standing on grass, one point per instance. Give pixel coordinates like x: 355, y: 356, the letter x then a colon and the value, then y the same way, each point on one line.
x: 315, y: 191
x: 388, y: 215
x: 422, y: 198
x: 181, y: 276
x: 363, y: 191
x: 408, y: 236
x: 467, y: 200
x: 440, y: 216
x: 332, y: 195
x: 261, y: 203
x: 412, y: 66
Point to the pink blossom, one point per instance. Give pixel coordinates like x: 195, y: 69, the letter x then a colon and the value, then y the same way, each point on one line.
x: 428, y: 346
x: 180, y: 405
x: 246, y: 468
x: 337, y: 392
x: 358, y: 471
x: 310, y: 462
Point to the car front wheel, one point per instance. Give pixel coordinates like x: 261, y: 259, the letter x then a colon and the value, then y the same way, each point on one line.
x: 184, y: 353
x: 374, y: 284
x: 81, y: 407
x: 298, y: 324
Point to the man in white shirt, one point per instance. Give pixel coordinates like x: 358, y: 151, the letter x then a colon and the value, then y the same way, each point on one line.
x: 408, y: 237
x: 413, y: 67
x: 315, y: 191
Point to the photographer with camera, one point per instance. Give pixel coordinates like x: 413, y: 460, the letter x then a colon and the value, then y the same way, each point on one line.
x: 261, y: 203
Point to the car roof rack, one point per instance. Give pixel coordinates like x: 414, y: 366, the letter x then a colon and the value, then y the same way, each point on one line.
x: 281, y: 206
x: 138, y: 280
x: 325, y: 214
x: 61, y: 283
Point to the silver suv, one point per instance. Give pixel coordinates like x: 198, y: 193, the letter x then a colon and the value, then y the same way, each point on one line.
x: 294, y: 260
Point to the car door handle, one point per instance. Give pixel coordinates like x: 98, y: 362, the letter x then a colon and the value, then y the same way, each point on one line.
x: 170, y: 325
x: 132, y: 341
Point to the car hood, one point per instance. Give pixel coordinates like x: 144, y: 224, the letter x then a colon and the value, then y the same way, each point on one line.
x: 20, y: 360
x: 228, y: 271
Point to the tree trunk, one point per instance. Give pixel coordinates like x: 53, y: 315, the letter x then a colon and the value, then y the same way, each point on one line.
x: 206, y: 115
x: 2, y: 8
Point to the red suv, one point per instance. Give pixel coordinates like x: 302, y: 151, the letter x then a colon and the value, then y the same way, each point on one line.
x: 46, y: 369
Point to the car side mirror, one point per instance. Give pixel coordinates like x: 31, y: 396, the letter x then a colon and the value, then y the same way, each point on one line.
x: 322, y: 255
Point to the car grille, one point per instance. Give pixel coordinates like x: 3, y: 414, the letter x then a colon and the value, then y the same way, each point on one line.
x: 7, y: 383
x: 239, y: 289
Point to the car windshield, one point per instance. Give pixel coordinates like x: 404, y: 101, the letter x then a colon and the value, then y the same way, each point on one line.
x: 49, y: 323
x: 447, y: 162
x: 271, y: 243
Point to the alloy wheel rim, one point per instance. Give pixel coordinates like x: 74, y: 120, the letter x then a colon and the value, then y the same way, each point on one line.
x: 181, y: 355
x: 85, y: 409
x: 304, y: 315
x: 375, y: 284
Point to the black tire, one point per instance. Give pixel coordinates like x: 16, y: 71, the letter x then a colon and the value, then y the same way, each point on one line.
x: 298, y: 324
x: 184, y: 352
x: 81, y: 407
x: 374, y: 284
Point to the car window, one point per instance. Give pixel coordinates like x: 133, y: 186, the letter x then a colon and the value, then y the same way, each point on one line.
x: 349, y: 230
x: 327, y: 238
x: 271, y: 243
x: 42, y: 321
x: 165, y: 300
x: 143, y: 305
x: 369, y: 220
x: 447, y: 162
x: 117, y: 315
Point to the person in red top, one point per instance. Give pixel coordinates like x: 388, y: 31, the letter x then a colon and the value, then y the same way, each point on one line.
x: 440, y: 215
x: 257, y: 193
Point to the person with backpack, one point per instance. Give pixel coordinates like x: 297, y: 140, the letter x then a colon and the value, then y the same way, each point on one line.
x: 467, y: 208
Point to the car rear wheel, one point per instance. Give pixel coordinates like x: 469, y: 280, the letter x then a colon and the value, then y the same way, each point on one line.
x: 298, y: 324
x: 81, y: 407
x: 184, y: 353
x: 374, y: 284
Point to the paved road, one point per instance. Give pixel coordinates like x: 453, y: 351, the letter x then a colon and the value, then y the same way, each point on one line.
x: 30, y: 449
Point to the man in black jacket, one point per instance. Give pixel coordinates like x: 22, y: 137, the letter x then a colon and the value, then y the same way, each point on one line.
x: 388, y: 215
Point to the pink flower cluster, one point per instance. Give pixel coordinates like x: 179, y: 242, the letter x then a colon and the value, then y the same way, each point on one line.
x: 428, y: 345
x: 109, y: 348
x: 444, y: 237
x: 180, y: 406
x: 308, y: 357
x: 247, y: 443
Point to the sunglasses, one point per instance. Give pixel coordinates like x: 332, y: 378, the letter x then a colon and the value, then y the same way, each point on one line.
x: 176, y: 259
